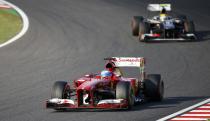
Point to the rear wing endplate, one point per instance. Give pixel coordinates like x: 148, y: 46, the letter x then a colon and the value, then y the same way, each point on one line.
x: 159, y: 7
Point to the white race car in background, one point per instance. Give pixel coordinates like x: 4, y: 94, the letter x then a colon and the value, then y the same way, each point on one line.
x: 163, y: 26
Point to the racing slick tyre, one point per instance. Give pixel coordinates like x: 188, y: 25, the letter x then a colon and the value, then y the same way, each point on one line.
x: 125, y: 91
x: 143, y: 29
x: 154, y: 87
x: 189, y: 26
x: 61, y: 90
x: 135, y: 24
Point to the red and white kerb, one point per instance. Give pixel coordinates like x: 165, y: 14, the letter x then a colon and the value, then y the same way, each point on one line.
x: 201, y: 113
x: 197, y: 112
x: 4, y: 5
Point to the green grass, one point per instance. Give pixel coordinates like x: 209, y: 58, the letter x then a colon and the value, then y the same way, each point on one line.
x: 10, y: 24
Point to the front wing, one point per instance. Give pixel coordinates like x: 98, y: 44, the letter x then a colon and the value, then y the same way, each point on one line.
x: 56, y: 103
x: 182, y: 37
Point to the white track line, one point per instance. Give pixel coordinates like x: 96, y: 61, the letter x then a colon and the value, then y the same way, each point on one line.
x: 25, y: 24
x: 184, y: 110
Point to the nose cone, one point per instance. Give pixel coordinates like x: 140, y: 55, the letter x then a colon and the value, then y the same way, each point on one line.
x: 89, y: 85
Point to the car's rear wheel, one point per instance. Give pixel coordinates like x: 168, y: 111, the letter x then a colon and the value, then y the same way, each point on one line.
x: 154, y: 87
x: 135, y: 24
x: 125, y: 91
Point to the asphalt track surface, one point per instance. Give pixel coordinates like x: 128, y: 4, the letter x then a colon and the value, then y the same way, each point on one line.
x: 68, y: 38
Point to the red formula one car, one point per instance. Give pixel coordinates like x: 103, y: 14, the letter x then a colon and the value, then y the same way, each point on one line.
x: 108, y: 89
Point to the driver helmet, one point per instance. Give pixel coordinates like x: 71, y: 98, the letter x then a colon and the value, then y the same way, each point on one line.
x: 163, y: 14
x: 105, y: 74
x: 110, y: 66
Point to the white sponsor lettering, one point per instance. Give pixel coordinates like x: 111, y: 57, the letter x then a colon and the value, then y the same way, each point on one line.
x: 128, y: 61
x: 112, y: 101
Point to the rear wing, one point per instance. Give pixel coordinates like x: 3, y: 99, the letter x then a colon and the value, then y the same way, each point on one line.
x: 129, y: 62
x: 159, y: 7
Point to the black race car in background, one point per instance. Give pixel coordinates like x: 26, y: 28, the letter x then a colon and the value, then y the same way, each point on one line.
x: 163, y: 26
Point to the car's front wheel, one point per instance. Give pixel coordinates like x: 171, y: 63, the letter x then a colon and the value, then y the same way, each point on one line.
x: 143, y: 29
x: 124, y: 91
x: 189, y: 26
x: 135, y: 24
x: 61, y: 90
